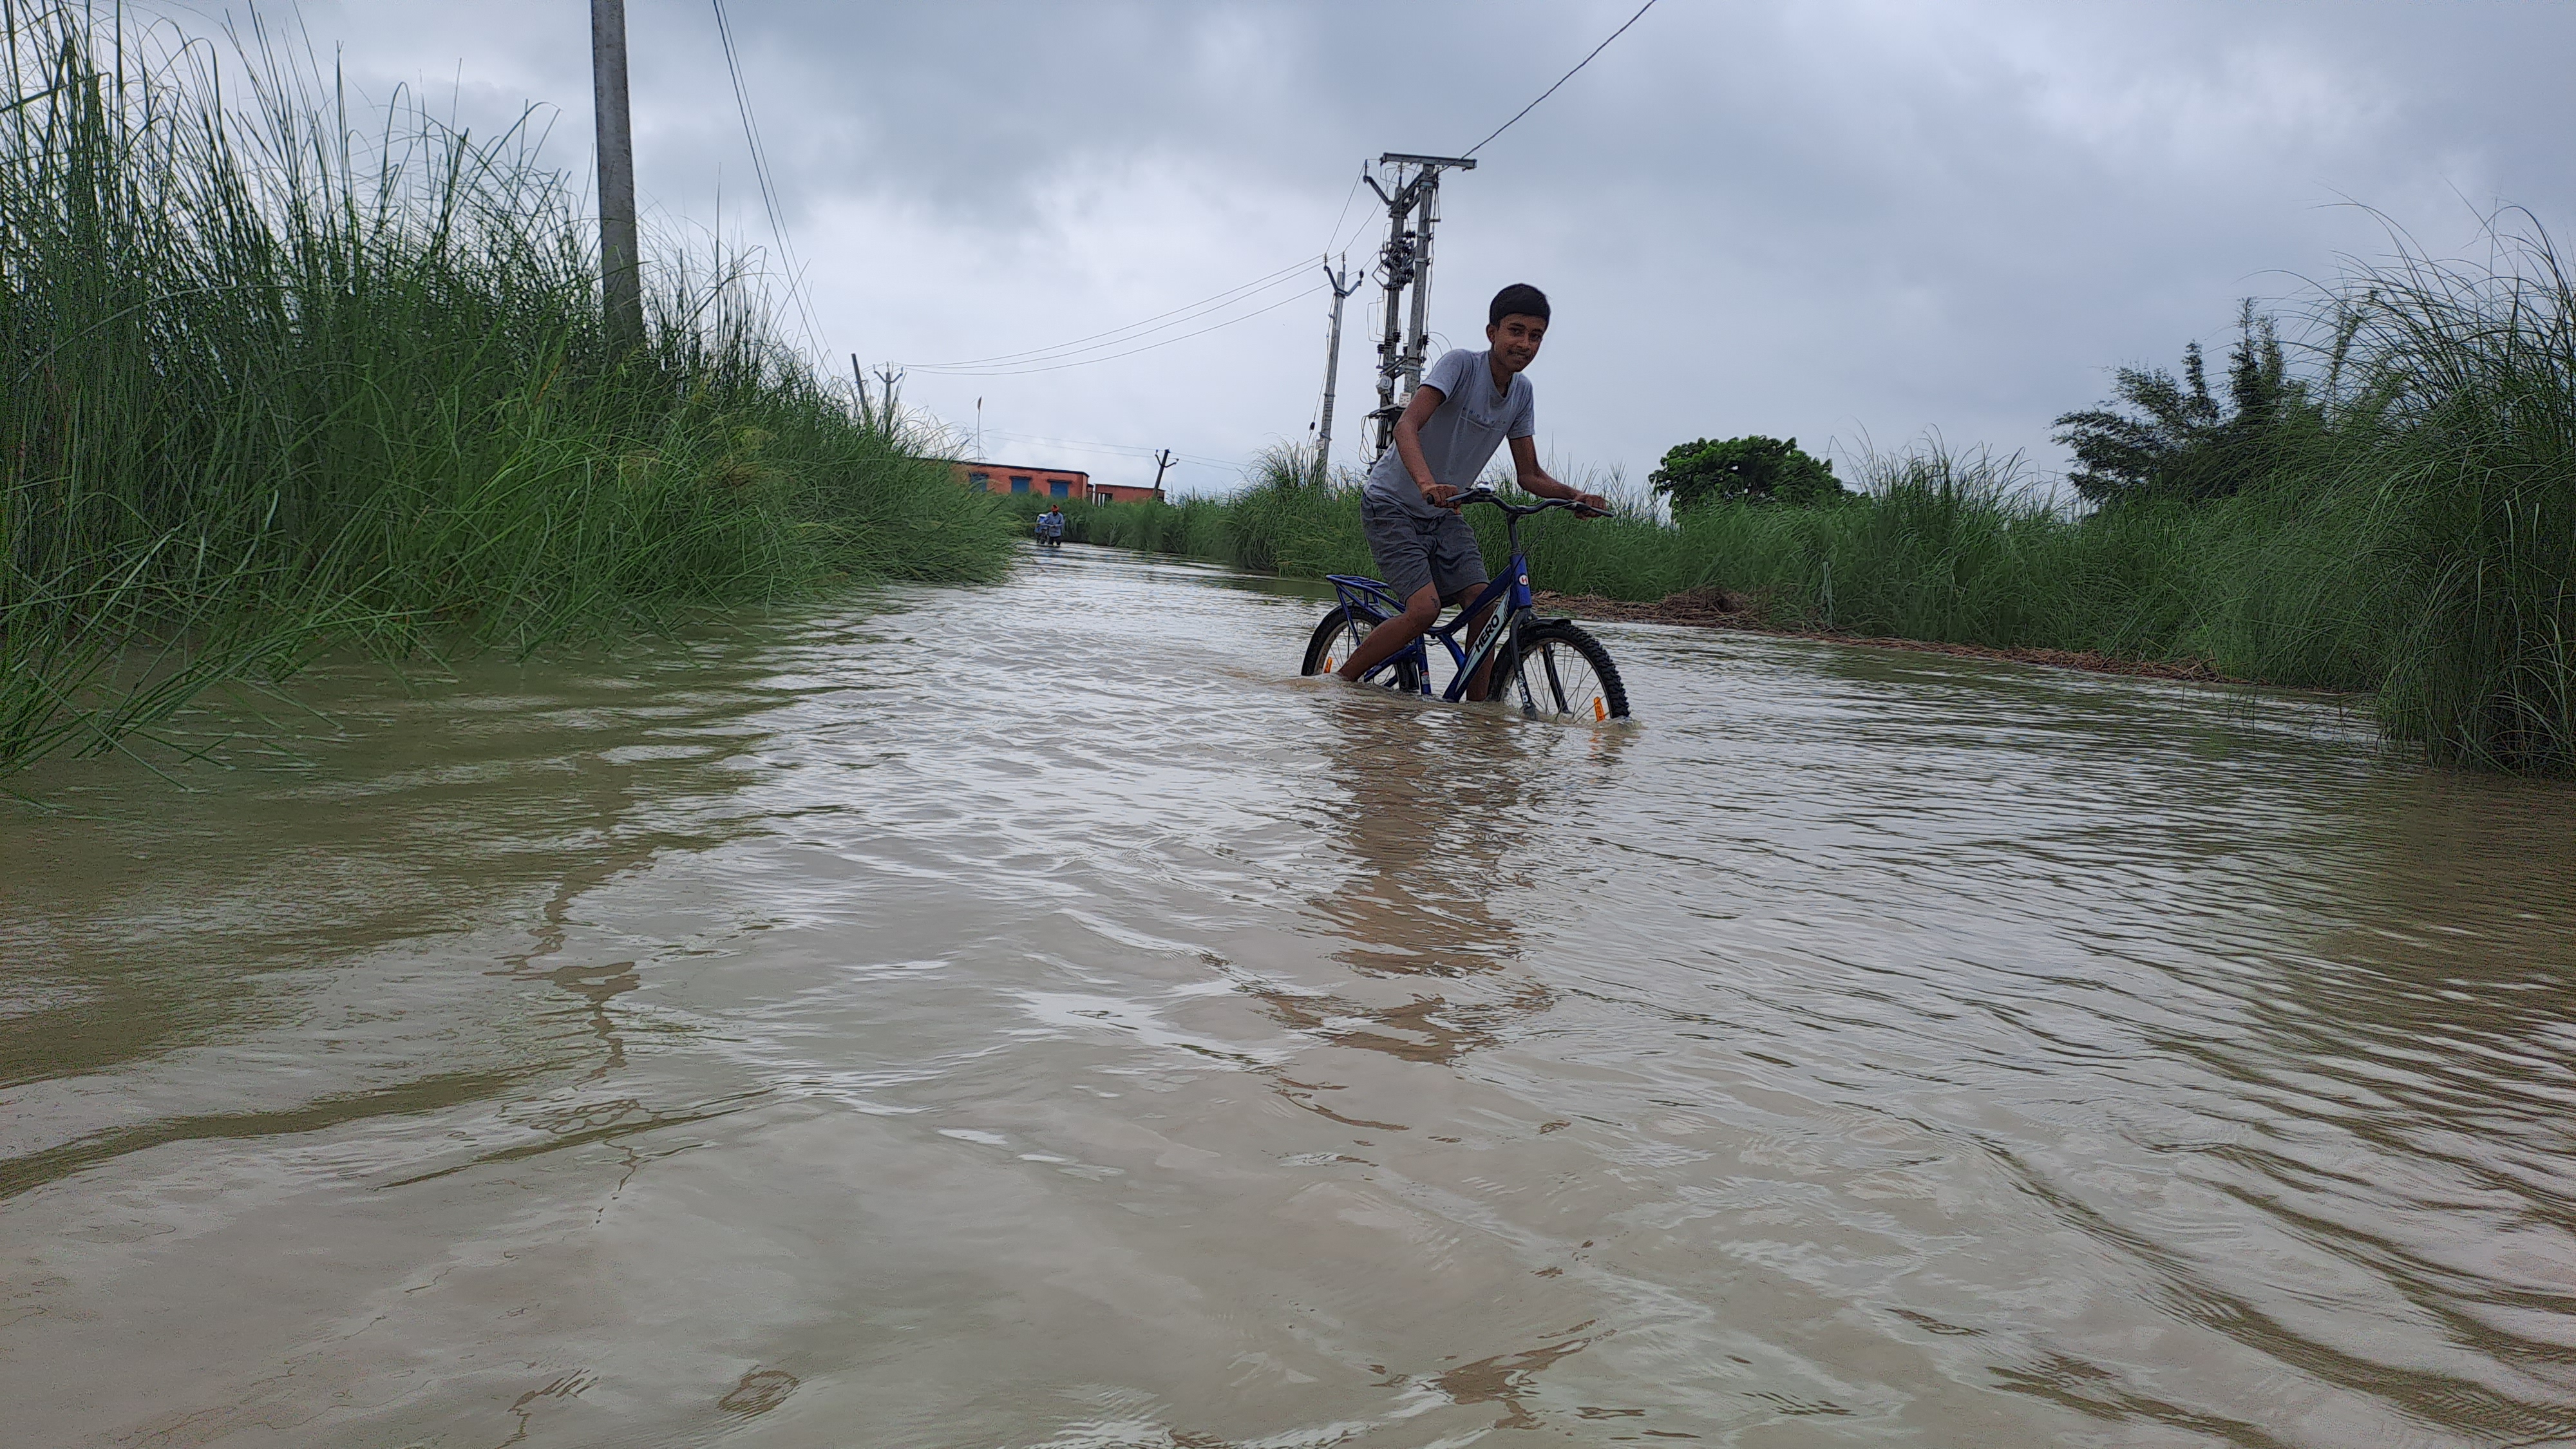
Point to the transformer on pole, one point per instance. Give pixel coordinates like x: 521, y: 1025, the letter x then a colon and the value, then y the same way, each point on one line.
x: 1404, y: 266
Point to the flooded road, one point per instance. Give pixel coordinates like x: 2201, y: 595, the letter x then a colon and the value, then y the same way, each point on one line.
x: 1023, y: 1017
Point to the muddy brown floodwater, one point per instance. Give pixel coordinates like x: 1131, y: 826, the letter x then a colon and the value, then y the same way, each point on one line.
x: 1026, y: 1017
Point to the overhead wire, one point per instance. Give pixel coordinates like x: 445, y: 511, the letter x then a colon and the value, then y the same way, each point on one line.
x: 1334, y: 243
x: 1131, y: 450
x: 1115, y: 335
x: 1069, y: 354
x: 1560, y: 80
x: 1316, y: 415
x: 1059, y: 365
x: 1072, y: 354
x: 1333, y: 239
x: 761, y: 173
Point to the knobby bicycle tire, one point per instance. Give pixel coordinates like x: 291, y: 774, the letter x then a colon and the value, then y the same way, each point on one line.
x: 1340, y: 633
x: 1555, y: 692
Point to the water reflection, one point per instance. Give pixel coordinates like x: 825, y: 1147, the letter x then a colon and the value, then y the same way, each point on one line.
x: 597, y: 985
x: 155, y: 929
x: 1424, y: 825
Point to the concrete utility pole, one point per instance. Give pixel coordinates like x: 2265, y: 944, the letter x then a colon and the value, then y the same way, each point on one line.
x: 881, y: 418
x: 1162, y: 461
x: 1343, y: 285
x: 1412, y: 209
x: 621, y: 282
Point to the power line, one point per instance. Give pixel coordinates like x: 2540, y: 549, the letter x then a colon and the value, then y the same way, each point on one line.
x: 1059, y: 366
x: 760, y: 172
x: 1560, y: 80
x: 1128, y: 450
x: 1013, y: 363
x: 1069, y: 354
x: 1128, y: 333
x: 1342, y: 243
x: 1333, y: 241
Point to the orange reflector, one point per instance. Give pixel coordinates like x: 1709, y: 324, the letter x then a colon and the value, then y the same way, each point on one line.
x: 1600, y: 711
x: 1328, y: 664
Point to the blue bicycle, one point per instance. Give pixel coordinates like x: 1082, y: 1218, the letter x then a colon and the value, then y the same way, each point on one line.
x: 1547, y: 668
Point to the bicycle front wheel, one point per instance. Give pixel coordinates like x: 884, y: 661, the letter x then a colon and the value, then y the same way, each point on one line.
x: 1559, y: 672
x: 1338, y: 637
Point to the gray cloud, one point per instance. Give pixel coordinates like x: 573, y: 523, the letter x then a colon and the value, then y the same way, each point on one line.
x: 1833, y: 218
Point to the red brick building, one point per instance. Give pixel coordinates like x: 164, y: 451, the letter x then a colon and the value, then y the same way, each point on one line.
x: 1070, y: 484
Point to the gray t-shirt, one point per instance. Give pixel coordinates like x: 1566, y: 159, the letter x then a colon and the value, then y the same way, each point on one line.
x: 1462, y: 433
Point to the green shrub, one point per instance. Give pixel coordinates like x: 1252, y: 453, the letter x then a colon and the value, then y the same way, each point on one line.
x: 1745, y: 470
x: 2163, y: 439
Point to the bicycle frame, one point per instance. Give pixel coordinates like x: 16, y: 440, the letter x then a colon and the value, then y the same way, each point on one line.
x: 1379, y: 603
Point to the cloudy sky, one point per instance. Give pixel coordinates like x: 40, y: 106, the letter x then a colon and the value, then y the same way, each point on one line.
x: 1855, y: 222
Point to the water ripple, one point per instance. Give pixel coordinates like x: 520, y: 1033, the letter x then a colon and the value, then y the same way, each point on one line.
x: 1026, y: 1016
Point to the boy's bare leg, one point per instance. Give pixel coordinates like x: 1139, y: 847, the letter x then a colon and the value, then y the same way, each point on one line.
x: 1389, y: 638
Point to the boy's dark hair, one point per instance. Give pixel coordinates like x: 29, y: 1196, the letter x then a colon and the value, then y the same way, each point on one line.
x: 1520, y: 299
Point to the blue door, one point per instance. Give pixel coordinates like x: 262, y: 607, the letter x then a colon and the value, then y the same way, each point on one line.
x: 1019, y: 483
x: 1060, y: 489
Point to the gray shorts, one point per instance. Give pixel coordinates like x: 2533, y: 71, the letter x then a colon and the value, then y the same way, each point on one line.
x: 1414, y: 551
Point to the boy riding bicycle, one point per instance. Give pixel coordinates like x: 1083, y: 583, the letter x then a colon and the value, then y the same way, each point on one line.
x: 1467, y: 404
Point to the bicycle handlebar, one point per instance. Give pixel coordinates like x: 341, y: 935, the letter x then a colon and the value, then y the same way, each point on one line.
x: 1524, y: 510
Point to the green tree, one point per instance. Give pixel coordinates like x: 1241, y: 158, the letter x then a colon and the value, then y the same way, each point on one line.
x: 1749, y: 469
x: 2157, y: 437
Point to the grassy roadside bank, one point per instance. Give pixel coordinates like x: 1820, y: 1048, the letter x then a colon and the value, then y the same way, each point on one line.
x: 279, y: 384
x: 1940, y: 549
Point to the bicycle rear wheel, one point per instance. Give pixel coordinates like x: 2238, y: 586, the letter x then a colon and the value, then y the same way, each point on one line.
x: 1338, y: 637
x: 1559, y: 672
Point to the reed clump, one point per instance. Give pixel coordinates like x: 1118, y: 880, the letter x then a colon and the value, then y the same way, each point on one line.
x: 2458, y: 473
x: 1944, y: 546
x: 278, y: 385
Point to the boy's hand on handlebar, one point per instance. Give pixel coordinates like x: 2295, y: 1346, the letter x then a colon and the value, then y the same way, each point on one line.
x: 1440, y: 495
x: 1591, y: 505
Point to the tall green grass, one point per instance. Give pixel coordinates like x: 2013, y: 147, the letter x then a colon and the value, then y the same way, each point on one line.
x: 2460, y: 462
x: 278, y: 384
x: 1956, y: 548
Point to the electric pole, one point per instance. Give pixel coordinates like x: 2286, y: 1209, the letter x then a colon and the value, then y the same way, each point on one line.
x: 1162, y: 461
x: 1412, y: 209
x: 1343, y: 285
x: 888, y: 376
x: 621, y: 285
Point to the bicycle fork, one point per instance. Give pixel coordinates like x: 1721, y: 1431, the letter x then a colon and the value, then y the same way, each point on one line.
x: 1510, y: 613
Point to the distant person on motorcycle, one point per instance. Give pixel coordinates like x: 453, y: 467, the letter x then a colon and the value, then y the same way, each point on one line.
x: 1468, y: 404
